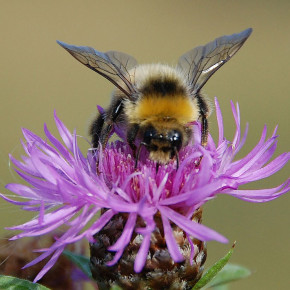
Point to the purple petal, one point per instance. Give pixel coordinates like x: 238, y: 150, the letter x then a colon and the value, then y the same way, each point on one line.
x: 170, y: 241
x: 236, y: 114
x: 261, y: 195
x: 48, y: 266
x: 65, y: 153
x: 99, y: 224
x: 247, y: 166
x: 220, y: 121
x: 59, y: 216
x: 194, y: 229
x: 268, y: 170
x: 197, y: 195
x: 100, y: 109
x: 22, y: 190
x: 142, y: 254
x: 125, y: 238
x: 65, y: 134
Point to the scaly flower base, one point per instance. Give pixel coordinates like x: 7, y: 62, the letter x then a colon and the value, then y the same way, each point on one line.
x: 160, y: 271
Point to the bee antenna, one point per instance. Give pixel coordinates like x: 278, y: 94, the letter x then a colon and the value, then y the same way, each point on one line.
x: 138, y: 153
x: 157, y: 167
x: 177, y: 157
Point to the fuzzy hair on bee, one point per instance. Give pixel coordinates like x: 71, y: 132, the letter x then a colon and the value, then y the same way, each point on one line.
x: 154, y: 105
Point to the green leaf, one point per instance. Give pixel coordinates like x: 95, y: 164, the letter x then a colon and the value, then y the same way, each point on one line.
x: 115, y: 287
x: 229, y: 274
x: 81, y: 261
x: 212, y: 272
x: 12, y: 283
x: 221, y: 287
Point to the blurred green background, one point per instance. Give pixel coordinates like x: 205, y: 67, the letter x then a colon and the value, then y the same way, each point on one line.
x: 38, y: 76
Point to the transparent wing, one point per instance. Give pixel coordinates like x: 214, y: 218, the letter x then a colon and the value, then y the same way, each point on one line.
x: 200, y: 63
x: 112, y: 65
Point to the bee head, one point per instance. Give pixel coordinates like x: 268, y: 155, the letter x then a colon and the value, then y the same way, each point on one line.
x: 162, y: 145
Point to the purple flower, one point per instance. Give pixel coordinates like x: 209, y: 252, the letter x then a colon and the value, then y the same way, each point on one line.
x: 67, y: 188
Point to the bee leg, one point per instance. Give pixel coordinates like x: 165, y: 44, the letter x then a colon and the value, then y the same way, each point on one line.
x: 96, y: 129
x: 102, y: 127
x: 106, y: 132
x: 204, y: 135
x: 204, y: 124
x: 138, y: 154
x: 131, y: 136
x: 204, y: 130
x: 203, y: 111
x: 101, y: 130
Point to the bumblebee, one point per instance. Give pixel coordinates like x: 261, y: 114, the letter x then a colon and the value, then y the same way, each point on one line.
x: 155, y: 105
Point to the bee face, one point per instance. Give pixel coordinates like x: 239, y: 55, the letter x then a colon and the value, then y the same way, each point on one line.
x: 156, y: 104
x: 164, y: 145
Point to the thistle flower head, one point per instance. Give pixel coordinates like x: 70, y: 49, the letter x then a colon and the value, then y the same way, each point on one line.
x: 86, y: 192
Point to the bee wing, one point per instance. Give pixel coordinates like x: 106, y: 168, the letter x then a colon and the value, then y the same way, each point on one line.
x: 112, y: 65
x: 200, y: 63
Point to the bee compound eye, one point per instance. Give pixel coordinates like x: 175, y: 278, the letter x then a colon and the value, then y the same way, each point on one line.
x: 149, y: 135
x: 176, y: 139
